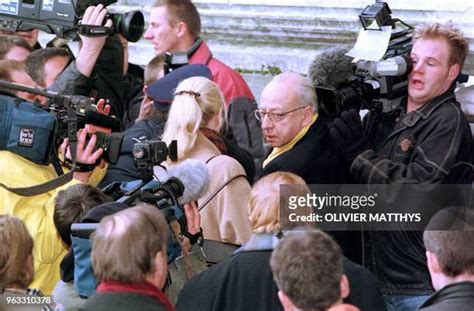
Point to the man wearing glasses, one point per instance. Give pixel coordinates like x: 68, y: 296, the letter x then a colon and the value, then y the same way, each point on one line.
x: 301, y: 142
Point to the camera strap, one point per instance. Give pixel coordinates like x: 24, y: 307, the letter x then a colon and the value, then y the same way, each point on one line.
x: 61, y: 180
x: 94, y: 30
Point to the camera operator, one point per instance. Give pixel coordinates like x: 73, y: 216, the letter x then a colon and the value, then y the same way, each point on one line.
x: 13, y: 47
x: 97, y: 70
x: 37, y: 211
x: 430, y: 142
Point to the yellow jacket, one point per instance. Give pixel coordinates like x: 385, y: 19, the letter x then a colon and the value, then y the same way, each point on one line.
x: 36, y: 212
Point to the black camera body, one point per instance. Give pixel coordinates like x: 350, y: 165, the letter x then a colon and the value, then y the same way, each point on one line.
x: 149, y: 153
x: 63, y: 17
x: 375, y: 85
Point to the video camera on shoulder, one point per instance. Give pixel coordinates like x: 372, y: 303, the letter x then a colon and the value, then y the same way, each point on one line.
x: 63, y: 18
x: 375, y: 85
x: 34, y: 132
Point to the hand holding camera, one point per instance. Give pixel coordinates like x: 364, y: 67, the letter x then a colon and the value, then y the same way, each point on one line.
x: 347, y: 132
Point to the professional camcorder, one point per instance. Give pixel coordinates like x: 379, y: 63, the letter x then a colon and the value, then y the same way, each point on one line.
x: 35, y: 131
x: 149, y: 153
x: 63, y: 18
x: 86, y: 112
x: 376, y: 85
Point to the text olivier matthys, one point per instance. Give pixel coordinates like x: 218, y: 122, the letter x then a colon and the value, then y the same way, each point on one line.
x: 344, y: 209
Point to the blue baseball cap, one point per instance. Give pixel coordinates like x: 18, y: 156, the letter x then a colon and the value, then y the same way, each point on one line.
x: 162, y: 90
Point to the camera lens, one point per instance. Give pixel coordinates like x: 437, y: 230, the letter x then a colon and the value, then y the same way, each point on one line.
x: 130, y: 25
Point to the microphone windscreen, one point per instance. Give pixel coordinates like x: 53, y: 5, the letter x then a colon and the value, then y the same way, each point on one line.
x: 194, y: 175
x: 98, y: 119
x: 331, y: 67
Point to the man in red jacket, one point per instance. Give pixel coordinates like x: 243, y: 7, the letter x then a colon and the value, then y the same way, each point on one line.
x: 175, y: 26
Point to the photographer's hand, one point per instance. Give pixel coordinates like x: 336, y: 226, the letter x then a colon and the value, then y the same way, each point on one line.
x: 104, y: 109
x: 85, y: 154
x: 145, y: 107
x: 193, y: 218
x: 91, y: 46
x: 347, y: 132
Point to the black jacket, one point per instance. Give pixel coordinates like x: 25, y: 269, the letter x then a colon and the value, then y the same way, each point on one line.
x: 315, y: 158
x: 245, y: 282
x: 457, y: 296
x: 430, y: 145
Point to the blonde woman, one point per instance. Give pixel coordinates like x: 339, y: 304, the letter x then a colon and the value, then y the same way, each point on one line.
x: 195, y: 119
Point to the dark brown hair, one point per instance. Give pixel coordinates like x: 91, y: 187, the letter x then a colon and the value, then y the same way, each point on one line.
x: 72, y: 204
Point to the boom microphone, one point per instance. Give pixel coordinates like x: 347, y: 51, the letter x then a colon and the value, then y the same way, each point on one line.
x: 194, y: 176
x: 331, y: 67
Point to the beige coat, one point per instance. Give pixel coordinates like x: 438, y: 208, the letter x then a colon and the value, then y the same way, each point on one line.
x: 225, y: 218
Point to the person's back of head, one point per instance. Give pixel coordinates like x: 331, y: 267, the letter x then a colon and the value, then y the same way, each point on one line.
x: 264, y: 204
x: 130, y: 246
x: 72, y: 204
x: 16, y: 253
x: 182, y: 11
x: 14, y: 48
x: 198, y: 102
x: 44, y: 65
x: 447, y: 239
x: 154, y: 70
x: 307, y: 267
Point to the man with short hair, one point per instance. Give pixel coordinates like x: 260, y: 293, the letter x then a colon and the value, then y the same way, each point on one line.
x: 45, y: 65
x: 301, y: 143
x: 129, y: 259
x: 307, y: 268
x: 175, y: 26
x: 428, y: 143
x: 15, y: 71
x: 14, y: 48
x: 450, y: 260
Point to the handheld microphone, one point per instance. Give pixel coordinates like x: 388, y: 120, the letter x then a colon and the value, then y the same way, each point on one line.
x: 194, y: 176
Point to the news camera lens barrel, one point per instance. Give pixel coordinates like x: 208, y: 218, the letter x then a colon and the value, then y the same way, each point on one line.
x: 131, y: 25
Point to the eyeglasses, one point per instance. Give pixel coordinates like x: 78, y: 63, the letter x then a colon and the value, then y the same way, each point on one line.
x: 273, y: 116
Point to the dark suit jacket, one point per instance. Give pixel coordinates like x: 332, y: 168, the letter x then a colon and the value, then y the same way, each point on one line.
x: 315, y: 158
x: 245, y: 282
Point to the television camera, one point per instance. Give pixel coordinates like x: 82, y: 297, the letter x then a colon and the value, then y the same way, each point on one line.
x: 376, y: 85
x: 67, y: 114
x: 63, y: 18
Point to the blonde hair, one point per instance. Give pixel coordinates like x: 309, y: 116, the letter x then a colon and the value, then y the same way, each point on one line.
x: 197, y: 100
x: 264, y: 202
x: 15, y: 251
x: 458, y: 44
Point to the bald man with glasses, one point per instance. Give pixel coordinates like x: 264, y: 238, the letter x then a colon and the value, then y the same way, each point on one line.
x: 300, y: 142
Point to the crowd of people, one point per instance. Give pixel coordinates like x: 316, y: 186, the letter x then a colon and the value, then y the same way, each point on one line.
x: 230, y: 247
